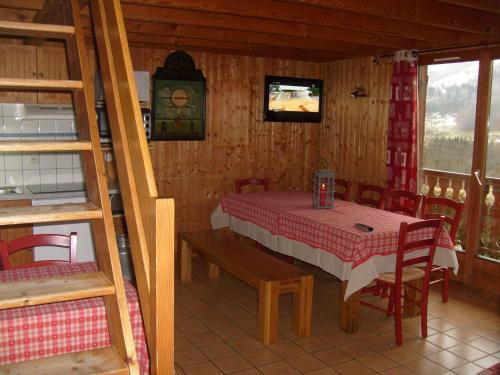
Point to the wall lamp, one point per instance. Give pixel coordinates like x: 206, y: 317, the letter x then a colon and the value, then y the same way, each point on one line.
x: 358, y: 92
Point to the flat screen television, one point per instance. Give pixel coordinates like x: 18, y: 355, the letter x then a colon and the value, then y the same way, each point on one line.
x: 292, y: 99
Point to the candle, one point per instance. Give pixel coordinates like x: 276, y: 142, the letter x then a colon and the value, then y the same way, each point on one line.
x: 322, y: 195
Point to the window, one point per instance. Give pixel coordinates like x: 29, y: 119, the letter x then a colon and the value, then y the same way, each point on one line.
x: 450, y: 116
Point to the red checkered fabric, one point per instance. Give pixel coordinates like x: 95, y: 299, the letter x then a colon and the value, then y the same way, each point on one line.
x: 329, y: 229
x: 263, y: 208
x: 41, y: 331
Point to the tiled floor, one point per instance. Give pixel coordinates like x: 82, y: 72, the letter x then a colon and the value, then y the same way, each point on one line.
x: 216, y: 325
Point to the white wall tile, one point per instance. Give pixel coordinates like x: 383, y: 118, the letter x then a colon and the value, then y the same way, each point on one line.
x: 78, y: 175
x: 48, y: 176
x: 31, y: 177
x: 77, y: 160
x: 64, y: 160
x: 2, y: 178
x: 64, y: 176
x: 48, y: 161
x: 13, y: 126
x: 13, y: 110
x: 64, y: 126
x: 14, y: 178
x: 31, y: 161
x: 1, y: 127
x: 14, y: 162
x: 2, y: 161
x: 48, y: 126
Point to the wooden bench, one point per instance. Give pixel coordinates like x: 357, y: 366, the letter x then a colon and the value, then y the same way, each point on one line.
x: 270, y: 276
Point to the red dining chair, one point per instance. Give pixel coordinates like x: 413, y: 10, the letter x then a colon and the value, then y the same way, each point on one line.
x: 59, y: 240
x: 346, y: 185
x: 366, y: 194
x: 239, y: 184
x: 451, y: 210
x: 403, y: 202
x: 420, y: 235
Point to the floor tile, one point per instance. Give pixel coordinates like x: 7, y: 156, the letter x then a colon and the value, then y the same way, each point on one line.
x: 332, y: 356
x: 260, y: 357
x: 424, y: 366
x: 306, y: 363
x: 401, y: 354
x: 468, y: 352
x: 485, y: 345
x: 189, y: 356
x: 378, y: 362
x: 252, y: 371
x: 352, y: 367
x: 461, y: 334
x: 467, y: 369
x: 488, y: 361
x: 447, y: 359
x: 323, y: 371
x: 203, y: 368
x: 278, y: 368
x: 218, y: 350
x: 288, y: 350
x: 232, y: 364
x: 442, y: 340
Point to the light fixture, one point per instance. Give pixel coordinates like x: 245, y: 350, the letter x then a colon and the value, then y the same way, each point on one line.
x: 358, y: 92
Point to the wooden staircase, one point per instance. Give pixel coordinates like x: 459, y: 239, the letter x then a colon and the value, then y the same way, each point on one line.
x: 120, y: 358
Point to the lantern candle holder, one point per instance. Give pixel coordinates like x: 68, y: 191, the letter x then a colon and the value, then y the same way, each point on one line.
x: 323, y: 189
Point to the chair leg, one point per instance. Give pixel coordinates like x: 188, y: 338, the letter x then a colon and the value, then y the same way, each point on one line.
x: 446, y: 281
x: 423, y: 314
x: 390, y: 306
x: 397, y: 316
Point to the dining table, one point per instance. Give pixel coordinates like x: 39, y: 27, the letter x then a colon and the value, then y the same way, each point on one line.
x: 328, y: 238
x: 32, y: 332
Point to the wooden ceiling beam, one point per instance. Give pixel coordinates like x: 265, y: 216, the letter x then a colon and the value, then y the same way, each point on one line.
x: 486, y: 5
x: 260, y: 10
x: 161, y: 41
x: 427, y: 12
x: 251, y: 37
x: 24, y: 4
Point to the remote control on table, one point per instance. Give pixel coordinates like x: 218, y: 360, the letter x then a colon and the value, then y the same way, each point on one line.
x: 363, y: 227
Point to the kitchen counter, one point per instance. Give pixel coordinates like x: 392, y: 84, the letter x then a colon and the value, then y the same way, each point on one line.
x: 53, y: 191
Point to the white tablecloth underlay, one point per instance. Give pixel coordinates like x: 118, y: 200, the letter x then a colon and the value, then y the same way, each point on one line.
x: 358, y: 277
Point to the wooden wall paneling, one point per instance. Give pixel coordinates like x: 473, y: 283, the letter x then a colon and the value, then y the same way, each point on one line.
x: 17, y: 61
x: 238, y: 143
x: 52, y: 64
x: 353, y: 133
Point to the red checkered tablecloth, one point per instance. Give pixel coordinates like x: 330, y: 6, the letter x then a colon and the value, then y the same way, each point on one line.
x: 291, y: 215
x: 41, y: 331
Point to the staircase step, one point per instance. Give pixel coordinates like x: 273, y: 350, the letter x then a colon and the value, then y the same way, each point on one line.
x: 40, y: 146
x: 103, y: 361
x: 49, y: 213
x: 54, y: 289
x: 38, y: 30
x: 40, y: 84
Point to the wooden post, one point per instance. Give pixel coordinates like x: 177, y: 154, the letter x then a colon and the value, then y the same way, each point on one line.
x: 349, y: 310
x: 186, y: 254
x: 268, y: 311
x: 213, y: 270
x: 478, y: 163
x: 302, y: 307
x: 412, y: 295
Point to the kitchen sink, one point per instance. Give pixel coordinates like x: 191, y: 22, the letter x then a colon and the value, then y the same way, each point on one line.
x: 5, y: 190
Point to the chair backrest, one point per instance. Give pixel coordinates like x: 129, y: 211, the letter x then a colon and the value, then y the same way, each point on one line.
x: 366, y: 194
x: 422, y: 235
x: 347, y: 189
x: 403, y: 202
x: 59, y: 240
x: 239, y: 184
x: 434, y: 208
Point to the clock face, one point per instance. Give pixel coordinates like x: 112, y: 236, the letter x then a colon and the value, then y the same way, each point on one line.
x: 179, y: 98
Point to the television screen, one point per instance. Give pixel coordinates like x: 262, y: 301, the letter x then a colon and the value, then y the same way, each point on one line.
x: 292, y: 99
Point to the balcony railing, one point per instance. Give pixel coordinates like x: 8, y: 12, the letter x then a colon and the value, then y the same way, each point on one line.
x: 455, y: 186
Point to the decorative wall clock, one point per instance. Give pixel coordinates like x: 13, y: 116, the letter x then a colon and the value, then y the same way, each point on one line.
x: 178, y: 100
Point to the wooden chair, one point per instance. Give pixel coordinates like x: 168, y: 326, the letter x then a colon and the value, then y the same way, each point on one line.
x: 407, y: 276
x: 239, y: 184
x: 451, y: 210
x: 371, y: 190
x: 59, y: 240
x: 403, y: 202
x: 346, y: 185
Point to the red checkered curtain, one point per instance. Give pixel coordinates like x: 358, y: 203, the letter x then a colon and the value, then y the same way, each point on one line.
x: 402, y: 129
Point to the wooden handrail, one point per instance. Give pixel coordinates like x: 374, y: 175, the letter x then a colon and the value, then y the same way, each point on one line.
x: 150, y: 221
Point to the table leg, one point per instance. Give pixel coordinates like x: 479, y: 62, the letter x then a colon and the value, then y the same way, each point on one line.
x: 213, y: 270
x: 186, y: 254
x: 268, y: 311
x: 302, y: 307
x: 349, y: 310
x: 411, y: 295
